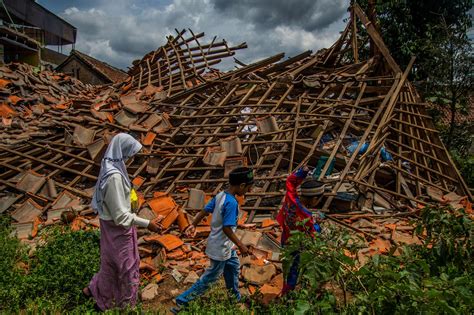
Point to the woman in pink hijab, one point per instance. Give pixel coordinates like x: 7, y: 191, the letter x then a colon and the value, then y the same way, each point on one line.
x: 116, y: 283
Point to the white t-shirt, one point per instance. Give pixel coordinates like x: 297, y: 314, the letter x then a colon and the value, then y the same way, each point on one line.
x: 225, y: 212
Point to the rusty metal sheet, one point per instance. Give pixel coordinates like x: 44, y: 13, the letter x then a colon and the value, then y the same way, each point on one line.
x: 7, y: 201
x: 27, y: 212
x: 83, y: 136
x: 97, y: 149
x: 125, y: 118
x: 65, y: 200
x: 31, y: 182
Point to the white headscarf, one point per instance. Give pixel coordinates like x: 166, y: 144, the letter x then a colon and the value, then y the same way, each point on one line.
x: 121, y: 148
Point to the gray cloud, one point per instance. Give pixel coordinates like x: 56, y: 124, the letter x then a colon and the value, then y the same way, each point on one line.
x: 309, y: 15
x: 119, y: 32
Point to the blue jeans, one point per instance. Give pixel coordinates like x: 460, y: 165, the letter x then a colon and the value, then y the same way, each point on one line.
x: 291, y: 278
x: 293, y: 273
x: 230, y: 268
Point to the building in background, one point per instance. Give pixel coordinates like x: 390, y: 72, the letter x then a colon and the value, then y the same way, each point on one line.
x: 90, y: 70
x: 26, y: 28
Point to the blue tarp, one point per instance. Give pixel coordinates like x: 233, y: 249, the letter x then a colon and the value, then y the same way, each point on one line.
x: 383, y: 152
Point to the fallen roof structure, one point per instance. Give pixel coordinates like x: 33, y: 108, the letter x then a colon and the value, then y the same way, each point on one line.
x: 355, y: 118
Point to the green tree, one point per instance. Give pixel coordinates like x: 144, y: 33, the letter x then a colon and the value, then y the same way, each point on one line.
x: 408, y: 27
x: 435, y: 31
x: 452, y: 64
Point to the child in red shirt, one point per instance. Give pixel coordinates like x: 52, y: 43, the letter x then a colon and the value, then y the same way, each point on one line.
x: 295, y: 210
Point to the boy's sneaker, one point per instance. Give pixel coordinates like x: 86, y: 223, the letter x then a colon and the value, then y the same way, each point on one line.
x: 176, y: 309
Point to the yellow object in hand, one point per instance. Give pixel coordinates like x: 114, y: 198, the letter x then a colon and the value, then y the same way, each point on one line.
x: 134, y: 199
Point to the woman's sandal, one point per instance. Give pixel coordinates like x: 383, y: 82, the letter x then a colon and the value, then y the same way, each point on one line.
x: 87, y: 292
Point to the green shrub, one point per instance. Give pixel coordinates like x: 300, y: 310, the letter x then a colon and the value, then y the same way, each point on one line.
x: 465, y: 164
x: 433, y: 278
x: 12, y: 276
x: 56, y: 273
x: 63, y: 266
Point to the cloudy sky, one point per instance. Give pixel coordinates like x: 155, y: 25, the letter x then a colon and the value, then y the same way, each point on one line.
x: 119, y: 31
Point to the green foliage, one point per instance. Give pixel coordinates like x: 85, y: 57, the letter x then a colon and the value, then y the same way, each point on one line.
x: 54, y: 277
x: 63, y: 266
x: 461, y: 139
x: 450, y: 240
x: 12, y: 277
x: 322, y: 260
x: 460, y: 144
x: 433, y: 278
x: 415, y: 28
x: 466, y: 167
x: 400, y: 285
x: 436, y: 277
x: 215, y: 301
x: 435, y: 32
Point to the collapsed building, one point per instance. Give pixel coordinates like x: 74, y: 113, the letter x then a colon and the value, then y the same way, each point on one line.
x: 350, y: 114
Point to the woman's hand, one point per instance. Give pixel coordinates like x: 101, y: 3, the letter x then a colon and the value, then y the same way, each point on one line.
x: 154, y: 227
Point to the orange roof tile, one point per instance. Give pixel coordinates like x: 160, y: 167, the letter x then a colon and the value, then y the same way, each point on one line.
x: 169, y: 241
x: 170, y: 218
x: 162, y: 203
x: 268, y: 222
x: 6, y: 111
x: 14, y: 99
x: 148, y: 140
x: 269, y: 293
x: 202, y: 231
x: 176, y: 254
x: 183, y: 222
x: 138, y: 181
x: 4, y: 83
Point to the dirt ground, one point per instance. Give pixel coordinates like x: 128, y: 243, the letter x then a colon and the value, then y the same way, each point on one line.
x: 168, y: 289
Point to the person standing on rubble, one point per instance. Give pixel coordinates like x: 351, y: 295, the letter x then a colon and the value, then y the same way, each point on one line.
x: 116, y: 283
x: 222, y: 239
x: 293, y: 212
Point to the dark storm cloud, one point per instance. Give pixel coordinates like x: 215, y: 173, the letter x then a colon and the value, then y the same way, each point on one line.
x: 120, y: 31
x: 309, y: 15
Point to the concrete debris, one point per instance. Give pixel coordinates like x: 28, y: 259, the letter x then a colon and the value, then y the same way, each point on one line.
x: 269, y: 293
x: 150, y: 292
x: 177, y: 275
x: 191, y: 278
x: 258, y: 275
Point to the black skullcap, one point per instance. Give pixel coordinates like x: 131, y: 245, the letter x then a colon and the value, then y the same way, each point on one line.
x: 241, y: 175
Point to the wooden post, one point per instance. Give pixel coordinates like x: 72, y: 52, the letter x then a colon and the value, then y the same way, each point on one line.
x: 372, y: 15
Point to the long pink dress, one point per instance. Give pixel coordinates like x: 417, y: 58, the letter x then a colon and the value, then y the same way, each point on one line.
x: 116, y: 283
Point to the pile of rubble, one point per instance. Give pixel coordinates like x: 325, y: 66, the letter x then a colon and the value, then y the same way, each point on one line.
x: 355, y: 119
x: 30, y: 101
